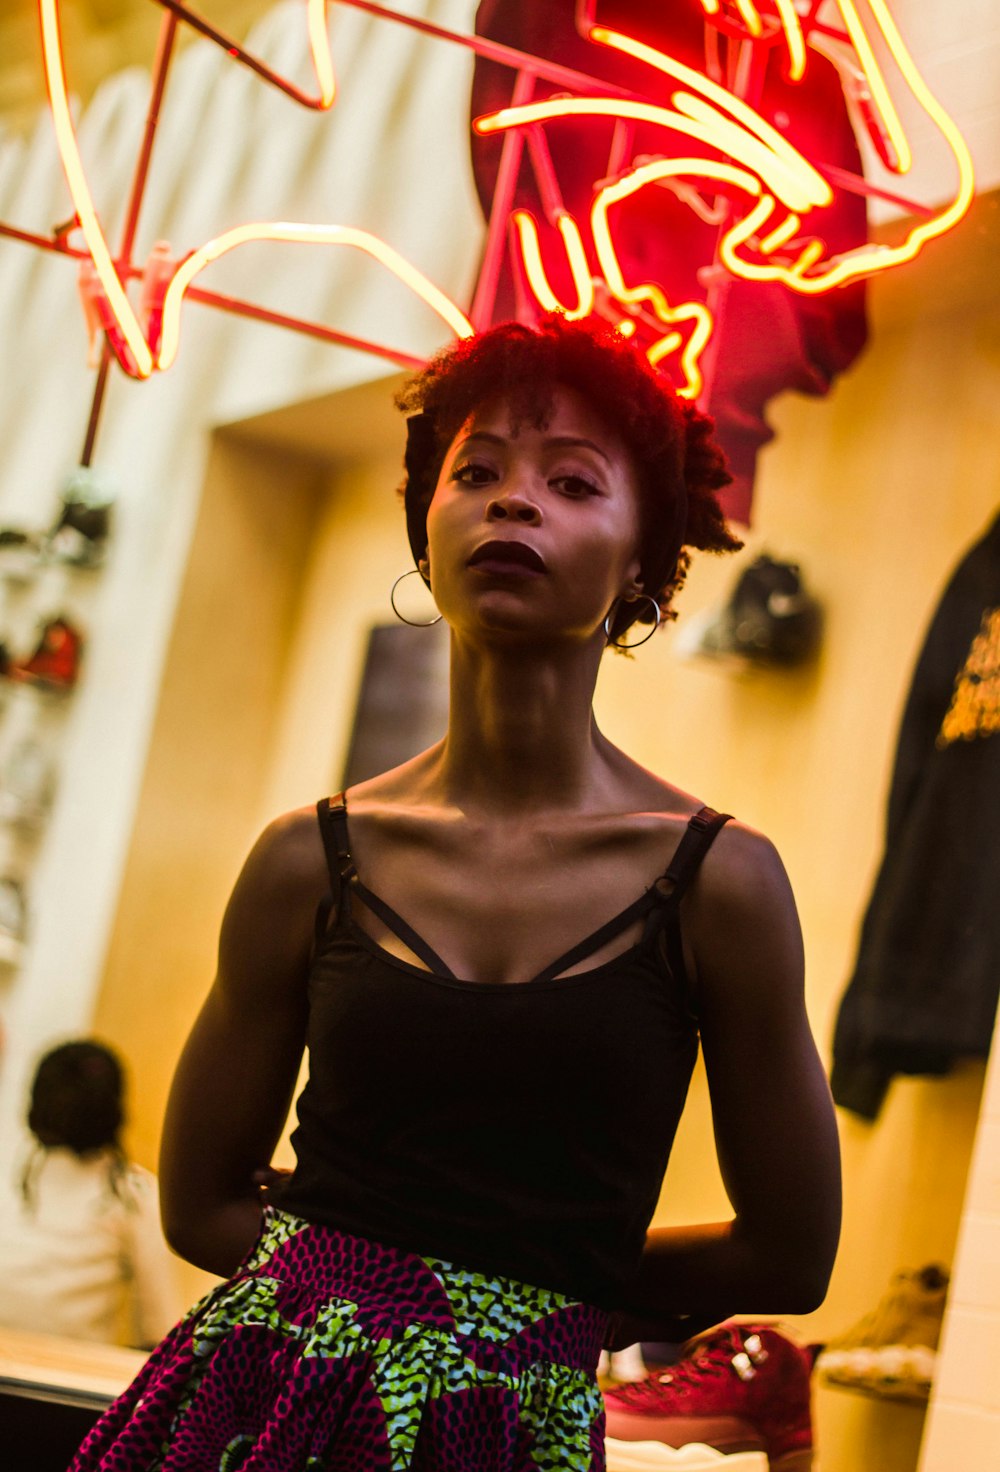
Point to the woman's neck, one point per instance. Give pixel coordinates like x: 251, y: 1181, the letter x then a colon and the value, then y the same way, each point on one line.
x: 522, y: 737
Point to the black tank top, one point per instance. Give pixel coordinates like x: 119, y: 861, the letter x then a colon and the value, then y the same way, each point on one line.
x: 519, y: 1129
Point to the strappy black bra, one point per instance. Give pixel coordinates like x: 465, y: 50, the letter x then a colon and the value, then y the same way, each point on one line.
x: 658, y: 905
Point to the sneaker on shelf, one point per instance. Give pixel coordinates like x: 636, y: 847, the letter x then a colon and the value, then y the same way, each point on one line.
x: 27, y: 784
x: 55, y: 663
x: 20, y: 553
x: 12, y: 920
x: 80, y: 534
x: 738, y: 1388
x: 892, y: 1351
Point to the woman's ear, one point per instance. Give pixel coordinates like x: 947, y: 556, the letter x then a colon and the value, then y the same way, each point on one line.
x: 632, y: 590
x: 424, y: 567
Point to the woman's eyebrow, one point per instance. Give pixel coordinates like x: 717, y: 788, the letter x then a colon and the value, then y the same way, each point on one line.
x: 570, y: 442
x: 483, y: 434
x: 559, y: 442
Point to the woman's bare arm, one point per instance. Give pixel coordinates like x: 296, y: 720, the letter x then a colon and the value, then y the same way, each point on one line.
x: 233, y: 1085
x: 774, y: 1123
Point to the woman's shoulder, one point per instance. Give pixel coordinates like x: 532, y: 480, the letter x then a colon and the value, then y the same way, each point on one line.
x: 742, y: 884
x: 741, y: 862
x: 289, y: 850
x: 282, y: 880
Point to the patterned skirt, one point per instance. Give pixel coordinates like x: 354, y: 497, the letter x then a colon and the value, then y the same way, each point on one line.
x: 329, y: 1353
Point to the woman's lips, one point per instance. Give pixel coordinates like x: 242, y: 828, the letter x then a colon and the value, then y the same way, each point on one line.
x: 507, y: 559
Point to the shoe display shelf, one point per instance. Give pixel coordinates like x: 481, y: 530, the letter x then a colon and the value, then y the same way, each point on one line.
x: 891, y: 1353
x: 48, y: 585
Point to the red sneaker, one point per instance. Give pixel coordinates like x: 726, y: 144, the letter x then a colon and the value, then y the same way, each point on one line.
x: 741, y: 1387
x: 55, y: 663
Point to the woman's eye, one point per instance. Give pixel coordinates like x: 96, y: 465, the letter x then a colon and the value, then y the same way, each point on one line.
x: 575, y: 485
x: 473, y: 473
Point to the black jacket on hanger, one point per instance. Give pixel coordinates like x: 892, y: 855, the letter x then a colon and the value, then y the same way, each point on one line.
x: 925, y: 983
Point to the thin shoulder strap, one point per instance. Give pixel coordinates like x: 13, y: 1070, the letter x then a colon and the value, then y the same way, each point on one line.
x: 344, y: 881
x: 332, y: 816
x: 701, y: 832
x: 698, y: 837
x: 655, y: 902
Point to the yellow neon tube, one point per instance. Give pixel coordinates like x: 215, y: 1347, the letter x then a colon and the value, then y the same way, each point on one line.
x: 307, y: 235
x: 792, y: 27
x: 72, y: 164
x: 868, y: 259
x: 779, y: 235
x: 534, y: 269
x: 319, y: 46
x: 798, y: 185
x: 876, y: 81
x: 694, y: 312
x: 748, y: 13
x: 713, y: 93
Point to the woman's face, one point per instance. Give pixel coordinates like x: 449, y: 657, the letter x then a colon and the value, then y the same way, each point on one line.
x: 534, y: 531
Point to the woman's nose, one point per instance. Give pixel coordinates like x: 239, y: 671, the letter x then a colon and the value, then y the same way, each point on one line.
x: 513, y: 503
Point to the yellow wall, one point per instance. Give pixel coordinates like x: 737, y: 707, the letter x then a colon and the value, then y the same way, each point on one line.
x: 876, y: 491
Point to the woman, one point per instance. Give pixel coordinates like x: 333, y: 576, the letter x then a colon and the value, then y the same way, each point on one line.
x: 491, y: 1102
x: 82, y: 1253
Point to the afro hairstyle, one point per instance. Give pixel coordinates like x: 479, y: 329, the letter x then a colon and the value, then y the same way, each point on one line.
x: 679, y: 465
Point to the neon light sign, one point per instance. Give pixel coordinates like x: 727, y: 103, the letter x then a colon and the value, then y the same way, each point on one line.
x: 771, y: 236
x: 768, y: 197
x: 141, y: 352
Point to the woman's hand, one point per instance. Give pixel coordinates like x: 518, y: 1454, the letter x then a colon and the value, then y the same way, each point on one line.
x: 269, y: 1178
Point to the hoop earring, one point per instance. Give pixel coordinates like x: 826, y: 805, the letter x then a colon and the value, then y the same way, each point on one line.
x: 413, y: 623
x: 607, y: 623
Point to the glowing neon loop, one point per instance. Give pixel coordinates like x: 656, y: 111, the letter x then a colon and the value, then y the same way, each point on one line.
x: 72, y: 164
x: 779, y: 235
x: 792, y: 27
x: 144, y: 362
x: 697, y: 115
x: 875, y: 255
x: 868, y: 259
x: 797, y: 185
x: 307, y: 235
x: 531, y: 255
x: 690, y: 311
x: 322, y: 57
x: 706, y: 112
x: 820, y: 191
x: 876, y: 81
x: 752, y: 21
